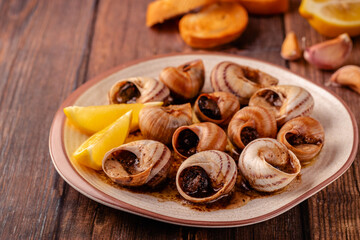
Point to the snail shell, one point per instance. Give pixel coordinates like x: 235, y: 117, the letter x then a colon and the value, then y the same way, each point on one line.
x: 242, y: 81
x: 138, y: 90
x: 184, y: 81
x: 188, y: 140
x: 285, y: 101
x: 206, y: 176
x: 268, y: 165
x: 159, y: 123
x: 216, y: 107
x: 304, y: 136
x: 143, y: 162
x: 250, y: 123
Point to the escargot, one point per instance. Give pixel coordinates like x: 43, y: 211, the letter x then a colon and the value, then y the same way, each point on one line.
x: 138, y: 90
x: 159, y: 123
x: 251, y: 123
x: 188, y: 140
x: 304, y: 136
x: 206, y: 176
x: 184, y: 81
x: 242, y: 81
x: 216, y: 107
x: 138, y: 163
x: 268, y: 165
x: 285, y: 101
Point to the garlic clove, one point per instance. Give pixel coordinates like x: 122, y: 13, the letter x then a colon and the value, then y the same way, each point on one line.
x: 330, y: 54
x: 348, y: 76
x: 290, y: 49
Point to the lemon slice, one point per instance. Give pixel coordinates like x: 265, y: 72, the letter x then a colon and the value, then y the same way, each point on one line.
x: 332, y: 17
x: 92, y: 151
x: 92, y: 119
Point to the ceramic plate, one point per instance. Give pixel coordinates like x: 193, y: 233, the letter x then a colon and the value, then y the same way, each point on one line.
x: 336, y: 157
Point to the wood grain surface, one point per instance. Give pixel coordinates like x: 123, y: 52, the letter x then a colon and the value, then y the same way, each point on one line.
x: 49, y: 48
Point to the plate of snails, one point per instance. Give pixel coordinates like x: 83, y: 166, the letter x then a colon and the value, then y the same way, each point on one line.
x: 237, y: 142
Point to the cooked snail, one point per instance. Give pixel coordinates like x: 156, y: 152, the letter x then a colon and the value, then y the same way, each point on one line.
x: 143, y: 162
x: 206, y: 176
x: 250, y: 123
x: 268, y: 165
x: 184, y: 81
x: 216, y: 107
x: 304, y: 136
x: 159, y: 123
x: 285, y: 101
x: 242, y: 81
x: 138, y: 90
x: 188, y: 140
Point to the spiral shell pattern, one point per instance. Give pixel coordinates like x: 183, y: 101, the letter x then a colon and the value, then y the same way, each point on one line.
x: 206, y: 176
x: 188, y: 140
x: 216, y: 107
x: 285, y: 101
x: 304, y: 136
x: 159, y: 123
x: 268, y: 165
x: 143, y: 162
x: 150, y: 90
x: 250, y: 123
x: 184, y: 81
x: 242, y: 81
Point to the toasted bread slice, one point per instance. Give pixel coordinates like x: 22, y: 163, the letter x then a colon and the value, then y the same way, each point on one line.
x: 214, y: 25
x: 160, y: 10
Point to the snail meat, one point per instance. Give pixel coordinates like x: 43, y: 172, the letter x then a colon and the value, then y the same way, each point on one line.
x: 138, y: 163
x: 216, y: 107
x: 304, y: 136
x: 242, y: 81
x: 268, y: 165
x: 138, y: 90
x: 285, y: 101
x: 188, y: 140
x: 251, y: 123
x: 206, y: 176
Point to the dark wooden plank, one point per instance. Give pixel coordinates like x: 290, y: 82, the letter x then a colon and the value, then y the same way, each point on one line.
x: 334, y: 212
x: 42, y: 46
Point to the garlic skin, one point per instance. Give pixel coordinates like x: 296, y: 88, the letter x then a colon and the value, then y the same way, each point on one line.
x: 188, y: 140
x: 285, y: 101
x: 242, y: 81
x: 347, y: 76
x: 216, y: 107
x: 159, y: 123
x: 330, y: 54
x: 304, y: 136
x: 184, y: 81
x: 206, y: 176
x: 143, y: 162
x: 250, y: 123
x: 268, y: 165
x: 140, y: 90
x: 290, y: 49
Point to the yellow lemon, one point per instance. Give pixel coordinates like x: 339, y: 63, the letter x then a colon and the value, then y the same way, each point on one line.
x: 332, y: 17
x: 92, y: 119
x: 92, y: 151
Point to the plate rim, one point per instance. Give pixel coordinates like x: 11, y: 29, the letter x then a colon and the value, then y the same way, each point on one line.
x: 73, y: 178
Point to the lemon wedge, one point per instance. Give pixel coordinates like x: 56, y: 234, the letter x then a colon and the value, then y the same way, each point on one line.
x: 92, y: 119
x: 332, y: 17
x: 92, y: 151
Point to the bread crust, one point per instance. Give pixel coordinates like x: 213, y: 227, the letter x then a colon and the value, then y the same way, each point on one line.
x: 161, y: 10
x: 214, y: 25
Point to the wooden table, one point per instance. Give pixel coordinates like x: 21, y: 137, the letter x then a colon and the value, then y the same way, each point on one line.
x: 49, y: 48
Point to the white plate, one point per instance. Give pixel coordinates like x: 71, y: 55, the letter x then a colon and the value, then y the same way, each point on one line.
x: 341, y: 141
